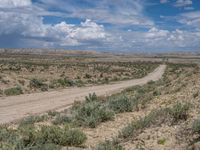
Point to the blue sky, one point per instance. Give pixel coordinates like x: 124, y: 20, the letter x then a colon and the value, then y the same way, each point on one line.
x: 106, y: 25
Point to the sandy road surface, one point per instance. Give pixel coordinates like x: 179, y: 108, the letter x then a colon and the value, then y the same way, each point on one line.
x: 16, y: 107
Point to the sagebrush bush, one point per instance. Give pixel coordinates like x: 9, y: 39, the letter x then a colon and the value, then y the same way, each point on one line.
x: 33, y: 119
x: 48, y: 137
x: 110, y: 145
x: 47, y: 146
x: 35, y: 83
x: 179, y: 111
x: 91, y: 98
x: 120, y: 104
x: 74, y: 137
x: 13, y: 91
x: 92, y: 113
x: 196, y: 126
x: 155, y: 117
x: 61, y: 119
x: 53, y: 113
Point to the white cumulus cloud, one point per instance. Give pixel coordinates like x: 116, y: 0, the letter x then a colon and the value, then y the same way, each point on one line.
x: 182, y: 3
x: 14, y: 3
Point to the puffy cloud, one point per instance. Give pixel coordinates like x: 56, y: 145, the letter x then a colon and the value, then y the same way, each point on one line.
x: 190, y: 19
x: 74, y: 35
x: 156, y: 33
x: 182, y: 3
x: 28, y: 25
x: 14, y: 3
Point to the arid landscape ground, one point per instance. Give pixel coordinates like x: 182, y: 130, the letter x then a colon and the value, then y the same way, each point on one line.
x: 53, y: 100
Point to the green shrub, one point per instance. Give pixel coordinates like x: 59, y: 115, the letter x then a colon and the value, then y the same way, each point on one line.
x: 120, y: 104
x: 13, y: 91
x: 64, y: 137
x: 1, y: 92
x: 92, y: 113
x: 179, y: 111
x: 32, y: 119
x: 61, y: 119
x: 74, y: 138
x: 196, y: 126
x: 110, y: 145
x: 53, y: 113
x: 161, y: 141
x: 48, y: 137
x: 65, y: 82
x: 88, y: 76
x: 155, y: 117
x: 47, y: 146
x: 91, y: 98
x: 35, y: 83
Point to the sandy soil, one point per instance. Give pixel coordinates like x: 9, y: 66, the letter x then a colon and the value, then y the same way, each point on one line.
x: 16, y: 107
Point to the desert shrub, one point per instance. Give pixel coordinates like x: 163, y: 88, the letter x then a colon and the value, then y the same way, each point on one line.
x: 35, y: 83
x: 61, y: 119
x: 161, y: 141
x: 92, y: 113
x: 121, y: 104
x: 47, y: 146
x: 29, y: 135
x: 53, y: 113
x: 195, y: 94
x: 110, y: 145
x: 65, y: 82
x: 179, y: 111
x: 64, y: 137
x: 155, y: 117
x: 156, y: 93
x: 5, y: 133
x: 13, y: 91
x: 74, y: 138
x: 91, y: 98
x: 33, y: 119
x: 88, y: 76
x: 1, y: 92
x: 196, y: 126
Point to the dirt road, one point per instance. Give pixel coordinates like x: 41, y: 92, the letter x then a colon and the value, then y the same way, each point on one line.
x: 16, y: 107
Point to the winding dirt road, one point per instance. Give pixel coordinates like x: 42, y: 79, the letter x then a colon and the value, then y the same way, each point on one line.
x: 16, y: 107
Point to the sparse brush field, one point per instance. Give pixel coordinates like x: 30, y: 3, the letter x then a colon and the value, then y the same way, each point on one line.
x: 19, y: 74
x: 158, y: 115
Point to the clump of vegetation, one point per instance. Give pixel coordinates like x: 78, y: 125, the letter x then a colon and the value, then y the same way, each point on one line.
x: 30, y: 120
x: 196, y: 126
x: 179, y: 112
x: 53, y: 113
x: 13, y: 91
x: 91, y: 98
x: 156, y: 117
x: 135, y: 127
x: 1, y: 92
x: 110, y: 145
x: 92, y: 113
x: 75, y: 137
x: 46, y: 137
x: 120, y: 104
x: 38, y: 84
x: 161, y: 141
x: 61, y: 119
